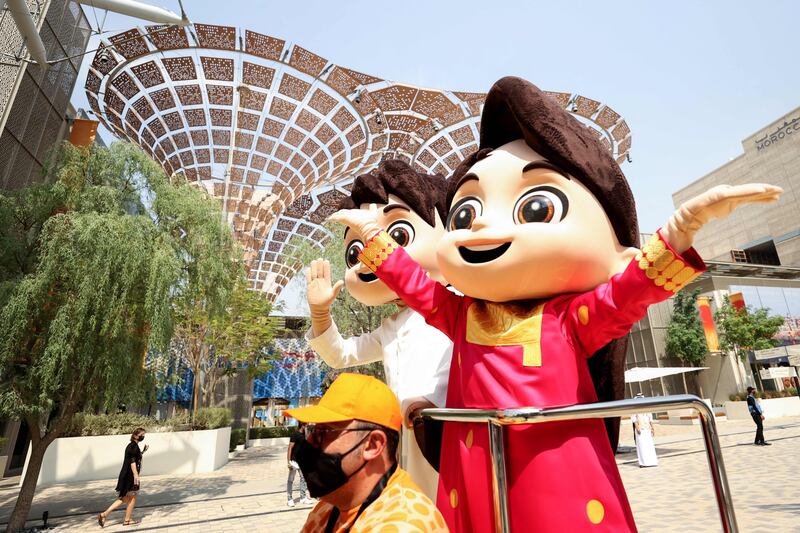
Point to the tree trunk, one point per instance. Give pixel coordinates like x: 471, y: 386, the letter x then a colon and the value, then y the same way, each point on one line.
x: 196, y: 389
x: 199, y: 357
x: 23, y: 506
x: 212, y: 380
x: 699, y: 386
x: 40, y: 440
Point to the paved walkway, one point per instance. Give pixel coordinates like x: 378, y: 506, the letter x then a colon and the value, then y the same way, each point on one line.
x: 248, y: 494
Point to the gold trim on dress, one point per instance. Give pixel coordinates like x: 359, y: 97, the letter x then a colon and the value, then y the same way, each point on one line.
x: 663, y: 267
x: 491, y: 324
x: 377, y: 250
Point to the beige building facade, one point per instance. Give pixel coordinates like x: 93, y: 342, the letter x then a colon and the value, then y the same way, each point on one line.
x: 776, y: 288
x: 754, y: 252
x: 761, y: 234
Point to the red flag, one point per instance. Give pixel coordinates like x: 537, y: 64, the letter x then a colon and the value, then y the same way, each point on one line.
x: 709, y: 328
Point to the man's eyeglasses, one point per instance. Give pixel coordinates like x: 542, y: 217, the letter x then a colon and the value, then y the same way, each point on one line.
x: 317, y: 434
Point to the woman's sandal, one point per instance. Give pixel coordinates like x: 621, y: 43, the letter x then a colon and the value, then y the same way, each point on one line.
x: 131, y: 522
x: 101, y: 520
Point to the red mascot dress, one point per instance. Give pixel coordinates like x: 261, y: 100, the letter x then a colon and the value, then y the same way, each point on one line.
x: 562, y: 476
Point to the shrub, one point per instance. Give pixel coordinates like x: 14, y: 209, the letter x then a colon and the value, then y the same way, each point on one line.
x: 765, y: 395
x: 238, y: 436
x: 272, y: 432
x: 3, y: 444
x: 86, y: 424
x: 212, y: 418
x: 180, y: 422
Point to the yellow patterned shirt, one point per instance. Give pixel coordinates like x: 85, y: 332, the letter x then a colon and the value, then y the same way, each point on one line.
x: 401, y: 508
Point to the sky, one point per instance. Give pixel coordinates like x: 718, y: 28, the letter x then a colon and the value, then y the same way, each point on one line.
x: 692, y: 79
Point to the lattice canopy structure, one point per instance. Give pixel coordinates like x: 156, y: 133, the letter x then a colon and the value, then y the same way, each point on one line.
x: 277, y: 132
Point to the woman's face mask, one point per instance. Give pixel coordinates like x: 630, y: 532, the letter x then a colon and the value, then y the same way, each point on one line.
x: 323, y: 471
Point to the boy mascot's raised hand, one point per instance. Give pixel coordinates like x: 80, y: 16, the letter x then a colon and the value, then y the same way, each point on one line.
x: 542, y: 242
x: 416, y: 356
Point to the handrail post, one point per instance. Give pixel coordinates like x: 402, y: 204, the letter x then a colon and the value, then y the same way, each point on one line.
x: 498, y: 418
x: 721, y: 489
x: 497, y: 448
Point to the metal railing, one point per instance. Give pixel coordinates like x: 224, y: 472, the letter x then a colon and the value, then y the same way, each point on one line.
x: 497, y: 419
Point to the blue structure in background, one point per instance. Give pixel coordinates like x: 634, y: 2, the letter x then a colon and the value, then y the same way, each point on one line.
x: 181, y: 391
x: 298, y: 374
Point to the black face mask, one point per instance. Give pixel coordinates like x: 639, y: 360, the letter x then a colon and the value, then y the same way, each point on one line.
x: 323, y: 471
x: 141, y: 438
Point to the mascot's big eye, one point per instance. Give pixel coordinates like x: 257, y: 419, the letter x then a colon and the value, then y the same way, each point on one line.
x: 351, y: 254
x: 543, y: 204
x: 402, y: 232
x: 464, y: 213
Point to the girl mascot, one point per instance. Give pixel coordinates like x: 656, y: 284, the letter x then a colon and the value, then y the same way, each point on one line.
x: 541, y: 240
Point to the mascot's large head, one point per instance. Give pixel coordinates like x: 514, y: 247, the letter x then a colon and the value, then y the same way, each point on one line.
x: 541, y: 209
x: 411, y: 207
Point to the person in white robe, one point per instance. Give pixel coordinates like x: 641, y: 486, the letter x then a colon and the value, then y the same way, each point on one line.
x: 416, y: 357
x: 643, y: 432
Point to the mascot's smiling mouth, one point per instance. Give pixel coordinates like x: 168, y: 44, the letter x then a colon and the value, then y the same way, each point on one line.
x: 368, y: 277
x: 482, y: 254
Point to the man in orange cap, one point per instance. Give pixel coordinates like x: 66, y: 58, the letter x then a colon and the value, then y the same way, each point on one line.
x: 349, y: 462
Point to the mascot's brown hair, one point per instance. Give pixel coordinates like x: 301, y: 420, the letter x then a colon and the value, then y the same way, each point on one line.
x: 423, y: 193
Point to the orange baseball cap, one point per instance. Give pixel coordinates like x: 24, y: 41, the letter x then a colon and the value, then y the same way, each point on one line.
x: 353, y: 397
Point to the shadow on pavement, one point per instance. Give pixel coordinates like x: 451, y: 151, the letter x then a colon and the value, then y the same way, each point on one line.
x: 793, y: 508
x: 225, y: 519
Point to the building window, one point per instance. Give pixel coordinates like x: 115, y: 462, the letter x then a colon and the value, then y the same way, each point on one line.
x: 763, y: 254
x: 738, y: 256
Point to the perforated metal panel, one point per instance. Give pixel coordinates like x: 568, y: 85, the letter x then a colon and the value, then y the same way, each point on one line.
x: 36, y: 122
x: 8, y: 149
x: 49, y: 136
x: 20, y: 110
x: 37, y: 113
x: 20, y: 170
x: 10, y: 42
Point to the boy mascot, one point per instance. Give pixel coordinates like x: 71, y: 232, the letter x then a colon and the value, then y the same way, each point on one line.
x: 416, y: 356
x: 541, y: 238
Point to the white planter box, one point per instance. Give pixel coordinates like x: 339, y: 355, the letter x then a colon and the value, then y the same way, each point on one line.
x: 684, y: 416
x: 773, y: 408
x: 276, y: 442
x: 89, y: 458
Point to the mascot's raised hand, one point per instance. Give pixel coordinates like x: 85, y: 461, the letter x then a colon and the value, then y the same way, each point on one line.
x: 320, y: 293
x: 717, y: 202
x: 362, y: 221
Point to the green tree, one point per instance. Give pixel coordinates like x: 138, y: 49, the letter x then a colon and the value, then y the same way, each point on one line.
x: 685, y: 337
x: 350, y: 316
x: 21, y: 219
x: 745, y: 330
x: 91, y: 266
x: 240, y: 338
x: 210, y: 265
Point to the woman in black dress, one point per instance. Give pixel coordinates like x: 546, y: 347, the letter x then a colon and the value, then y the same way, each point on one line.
x: 128, y: 482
